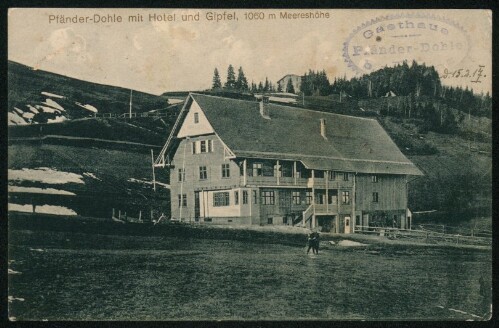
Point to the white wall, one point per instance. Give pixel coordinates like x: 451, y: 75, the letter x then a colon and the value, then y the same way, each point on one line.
x: 232, y: 210
x: 189, y: 128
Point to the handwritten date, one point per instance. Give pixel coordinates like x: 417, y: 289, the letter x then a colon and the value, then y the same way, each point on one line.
x: 463, y: 73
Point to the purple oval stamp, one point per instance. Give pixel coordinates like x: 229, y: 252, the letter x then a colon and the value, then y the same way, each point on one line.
x: 391, y: 39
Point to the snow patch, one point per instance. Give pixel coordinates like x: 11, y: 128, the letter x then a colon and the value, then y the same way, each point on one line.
x: 35, y: 190
x: 57, y: 119
x: 167, y: 186
x: 46, y: 209
x: 350, y: 243
x: 51, y: 103
x: 283, y: 100
x: 33, y: 109
x: 87, y: 107
x: 48, y: 94
x: 173, y: 101
x: 46, y: 109
x: 10, y: 271
x: 28, y: 115
x: 91, y: 175
x: 12, y: 298
x: 14, y: 118
x: 45, y: 175
x: 20, y: 112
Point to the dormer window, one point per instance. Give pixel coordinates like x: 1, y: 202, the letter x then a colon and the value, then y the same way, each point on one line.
x: 196, y: 118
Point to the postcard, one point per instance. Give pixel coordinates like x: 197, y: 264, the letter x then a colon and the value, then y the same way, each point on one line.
x: 249, y: 164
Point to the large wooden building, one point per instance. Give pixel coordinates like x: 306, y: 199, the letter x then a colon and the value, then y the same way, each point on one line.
x: 252, y: 162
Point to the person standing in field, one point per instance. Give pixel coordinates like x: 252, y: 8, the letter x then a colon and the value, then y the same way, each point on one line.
x: 313, y: 243
x: 316, y: 242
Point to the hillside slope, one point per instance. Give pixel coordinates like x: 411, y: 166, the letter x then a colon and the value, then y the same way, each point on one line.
x: 36, y: 96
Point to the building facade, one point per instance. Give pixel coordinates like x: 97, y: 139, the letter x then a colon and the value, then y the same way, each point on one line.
x: 243, y: 162
x: 295, y: 80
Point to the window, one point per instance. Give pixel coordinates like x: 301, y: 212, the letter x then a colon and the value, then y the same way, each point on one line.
x: 255, y: 198
x: 332, y: 175
x: 308, y: 198
x: 257, y: 169
x: 225, y: 171
x: 374, y: 178
x: 319, y: 174
x: 245, y: 196
x: 285, y: 219
x: 236, y: 197
x: 182, y: 200
x: 221, y: 199
x: 203, y: 173
x: 296, y: 198
x: 181, y: 175
x: 196, y: 118
x: 268, y: 198
x: 345, y: 197
x: 375, y: 197
x: 345, y: 176
x: 270, y: 220
x: 203, y: 146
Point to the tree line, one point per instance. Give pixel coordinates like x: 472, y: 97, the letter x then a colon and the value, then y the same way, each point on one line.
x: 415, y: 84
x: 240, y: 82
x: 415, y: 81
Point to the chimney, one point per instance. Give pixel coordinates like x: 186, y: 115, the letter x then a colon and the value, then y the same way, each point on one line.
x: 264, y: 108
x: 323, y: 128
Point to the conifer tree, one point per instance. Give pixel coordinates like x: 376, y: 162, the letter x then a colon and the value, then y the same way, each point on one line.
x: 217, y: 84
x: 241, y: 82
x: 231, y: 78
x: 266, y: 85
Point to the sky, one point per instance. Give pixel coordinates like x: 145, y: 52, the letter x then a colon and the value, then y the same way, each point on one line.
x: 158, y: 56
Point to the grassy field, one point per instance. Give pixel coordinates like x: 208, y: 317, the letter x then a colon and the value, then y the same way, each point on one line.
x: 76, y: 275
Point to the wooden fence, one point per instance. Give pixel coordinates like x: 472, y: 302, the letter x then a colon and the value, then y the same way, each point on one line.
x: 130, y: 115
x: 428, y: 236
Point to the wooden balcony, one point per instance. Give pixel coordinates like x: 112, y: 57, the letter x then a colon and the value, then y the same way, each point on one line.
x: 323, y: 209
x: 275, y: 181
x: 321, y: 183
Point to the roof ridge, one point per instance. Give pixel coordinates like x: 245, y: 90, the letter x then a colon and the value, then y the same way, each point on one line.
x: 290, y: 107
x: 225, y: 98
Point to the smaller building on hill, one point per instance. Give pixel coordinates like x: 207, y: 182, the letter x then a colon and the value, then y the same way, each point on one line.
x: 295, y: 80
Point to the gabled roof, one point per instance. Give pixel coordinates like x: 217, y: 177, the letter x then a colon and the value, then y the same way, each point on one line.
x: 285, y: 76
x: 352, y: 144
